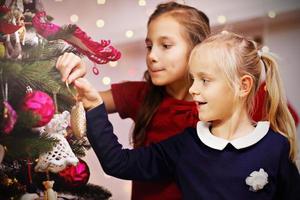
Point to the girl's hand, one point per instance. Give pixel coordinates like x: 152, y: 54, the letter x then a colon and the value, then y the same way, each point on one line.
x: 87, y: 94
x: 71, y: 67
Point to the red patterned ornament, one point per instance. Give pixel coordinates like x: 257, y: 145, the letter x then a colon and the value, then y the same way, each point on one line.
x: 76, y: 176
x: 41, y: 104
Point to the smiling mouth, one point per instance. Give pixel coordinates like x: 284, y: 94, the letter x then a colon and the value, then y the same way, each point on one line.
x: 157, y: 70
x: 201, y: 103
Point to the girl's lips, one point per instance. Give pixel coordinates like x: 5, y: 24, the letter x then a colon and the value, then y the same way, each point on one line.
x: 156, y: 70
x: 200, y: 103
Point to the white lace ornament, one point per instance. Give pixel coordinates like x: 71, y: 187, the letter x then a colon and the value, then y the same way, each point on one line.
x: 59, y: 158
x: 257, y: 180
x: 57, y: 125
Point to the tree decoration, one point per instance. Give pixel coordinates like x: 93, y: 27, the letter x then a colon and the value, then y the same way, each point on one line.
x: 9, y: 114
x: 41, y: 104
x: 58, y: 159
x: 75, y: 176
x: 49, y: 193
x: 9, y: 118
x: 2, y: 153
x: 58, y: 124
x: 100, y: 52
x: 6, y: 25
x: 32, y: 126
x: 78, y: 118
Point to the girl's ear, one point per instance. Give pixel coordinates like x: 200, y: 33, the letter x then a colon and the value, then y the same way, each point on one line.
x: 246, y: 83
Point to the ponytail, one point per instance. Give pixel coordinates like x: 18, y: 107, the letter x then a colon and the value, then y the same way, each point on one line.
x: 277, y: 111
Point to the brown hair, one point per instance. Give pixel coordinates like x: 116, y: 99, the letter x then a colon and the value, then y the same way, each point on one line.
x: 238, y: 56
x: 196, y: 28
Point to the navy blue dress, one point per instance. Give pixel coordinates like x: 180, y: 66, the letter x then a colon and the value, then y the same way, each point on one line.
x: 204, y: 166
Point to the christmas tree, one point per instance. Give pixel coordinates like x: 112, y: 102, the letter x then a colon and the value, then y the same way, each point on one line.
x: 41, y: 142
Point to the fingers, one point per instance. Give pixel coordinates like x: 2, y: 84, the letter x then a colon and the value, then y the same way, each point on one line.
x: 71, y: 67
x: 77, y: 72
x: 87, y: 93
x: 82, y: 85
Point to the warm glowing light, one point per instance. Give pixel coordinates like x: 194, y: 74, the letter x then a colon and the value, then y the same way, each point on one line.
x: 129, y: 34
x: 222, y: 19
x: 100, y: 23
x: 113, y: 63
x: 74, y: 18
x: 100, y: 1
x: 142, y: 2
x: 106, y: 80
x: 272, y: 14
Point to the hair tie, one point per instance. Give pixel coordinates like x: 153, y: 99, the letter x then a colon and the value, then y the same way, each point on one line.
x: 259, y: 53
x: 263, y: 50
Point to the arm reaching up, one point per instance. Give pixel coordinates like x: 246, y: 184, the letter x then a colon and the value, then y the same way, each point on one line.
x: 157, y: 161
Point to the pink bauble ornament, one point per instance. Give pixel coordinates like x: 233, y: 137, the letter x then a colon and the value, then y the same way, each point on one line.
x: 41, y: 105
x: 9, y: 117
x: 75, y: 176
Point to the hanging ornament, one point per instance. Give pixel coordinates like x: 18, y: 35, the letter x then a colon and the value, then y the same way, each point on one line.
x: 40, y: 104
x: 75, y: 176
x: 2, y: 50
x: 58, y: 124
x: 31, y: 39
x: 59, y: 158
x: 49, y: 193
x: 9, y: 114
x: 2, y: 153
x: 6, y: 24
x: 9, y: 118
x: 95, y: 69
x: 13, y: 17
x: 78, y: 118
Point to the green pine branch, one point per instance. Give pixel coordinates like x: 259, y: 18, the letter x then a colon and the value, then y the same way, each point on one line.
x: 29, y: 145
x: 79, y: 146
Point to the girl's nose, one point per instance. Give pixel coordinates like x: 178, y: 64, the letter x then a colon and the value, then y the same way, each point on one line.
x: 193, y: 89
x: 152, y: 56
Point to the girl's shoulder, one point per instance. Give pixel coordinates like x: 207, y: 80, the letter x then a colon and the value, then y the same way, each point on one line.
x: 277, y: 137
x: 276, y: 141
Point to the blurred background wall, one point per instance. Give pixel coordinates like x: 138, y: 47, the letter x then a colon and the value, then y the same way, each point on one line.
x: 275, y: 23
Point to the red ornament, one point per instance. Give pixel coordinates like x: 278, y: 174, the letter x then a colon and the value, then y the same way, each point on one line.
x: 41, y: 104
x: 75, y: 176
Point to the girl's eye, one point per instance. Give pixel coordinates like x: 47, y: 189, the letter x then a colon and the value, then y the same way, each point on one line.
x: 167, y: 46
x: 149, y: 47
x: 204, y: 81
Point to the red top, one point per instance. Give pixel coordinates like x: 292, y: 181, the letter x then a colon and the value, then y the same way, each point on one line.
x: 171, y: 118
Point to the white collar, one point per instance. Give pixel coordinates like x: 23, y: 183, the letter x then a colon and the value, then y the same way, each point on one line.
x: 214, y: 142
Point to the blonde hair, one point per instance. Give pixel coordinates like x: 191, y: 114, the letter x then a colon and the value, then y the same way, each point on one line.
x: 241, y: 57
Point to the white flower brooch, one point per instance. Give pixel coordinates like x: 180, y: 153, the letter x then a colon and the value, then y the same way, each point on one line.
x: 257, y: 180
